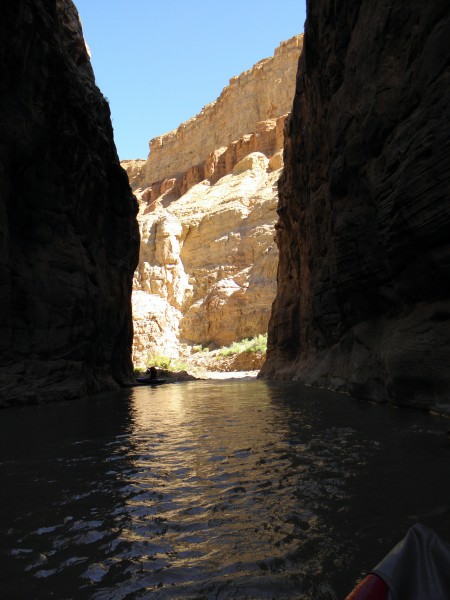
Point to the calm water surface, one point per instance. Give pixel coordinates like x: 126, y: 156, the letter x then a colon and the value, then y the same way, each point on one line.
x: 212, y: 490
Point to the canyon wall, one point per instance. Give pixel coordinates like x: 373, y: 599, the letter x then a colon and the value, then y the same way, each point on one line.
x: 364, y: 210
x: 207, y: 266
x: 207, y: 196
x: 68, y: 233
x: 263, y: 92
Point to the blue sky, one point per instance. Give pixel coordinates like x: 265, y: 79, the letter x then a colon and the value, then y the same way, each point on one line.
x: 159, y: 62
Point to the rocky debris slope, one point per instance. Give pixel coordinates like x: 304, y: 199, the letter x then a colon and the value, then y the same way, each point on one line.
x: 364, y: 229
x: 207, y: 196
x: 68, y: 233
x: 215, y: 362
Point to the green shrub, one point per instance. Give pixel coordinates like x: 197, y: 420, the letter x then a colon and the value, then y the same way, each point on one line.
x: 198, y: 349
x: 178, y: 365
x: 256, y: 344
x: 259, y: 343
x: 158, y: 361
x: 166, y: 363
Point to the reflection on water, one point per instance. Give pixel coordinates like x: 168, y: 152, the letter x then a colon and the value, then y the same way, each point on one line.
x: 212, y: 490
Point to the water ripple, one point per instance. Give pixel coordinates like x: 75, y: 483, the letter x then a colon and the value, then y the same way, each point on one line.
x: 209, y: 490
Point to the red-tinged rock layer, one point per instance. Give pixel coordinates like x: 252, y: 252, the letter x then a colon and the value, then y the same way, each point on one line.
x: 263, y: 92
x: 364, y: 210
x: 266, y: 139
x: 68, y: 234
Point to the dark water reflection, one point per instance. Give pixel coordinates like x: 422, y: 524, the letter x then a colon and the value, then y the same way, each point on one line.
x: 212, y: 490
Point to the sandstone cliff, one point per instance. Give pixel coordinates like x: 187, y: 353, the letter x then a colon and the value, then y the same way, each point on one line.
x: 207, y: 195
x: 207, y: 267
x: 364, y: 228
x: 263, y: 92
x: 68, y: 234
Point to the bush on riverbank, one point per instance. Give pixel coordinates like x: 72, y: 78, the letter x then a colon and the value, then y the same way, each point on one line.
x: 246, y: 355
x: 166, y: 363
x: 256, y: 344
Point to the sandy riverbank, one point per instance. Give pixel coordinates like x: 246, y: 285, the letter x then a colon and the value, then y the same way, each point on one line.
x: 248, y: 375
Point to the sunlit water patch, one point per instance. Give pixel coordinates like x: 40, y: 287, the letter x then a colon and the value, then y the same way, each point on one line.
x: 212, y: 490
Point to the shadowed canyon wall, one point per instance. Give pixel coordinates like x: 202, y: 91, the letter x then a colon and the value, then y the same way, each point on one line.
x: 68, y: 233
x: 207, y: 196
x: 364, y: 209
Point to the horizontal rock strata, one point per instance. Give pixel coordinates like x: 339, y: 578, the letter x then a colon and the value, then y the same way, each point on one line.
x: 68, y: 233
x: 267, y: 138
x: 261, y: 93
x: 364, y: 211
x: 207, y: 195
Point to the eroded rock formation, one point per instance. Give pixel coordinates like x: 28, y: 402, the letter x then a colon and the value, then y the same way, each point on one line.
x: 207, y: 268
x: 207, y: 195
x: 68, y: 233
x: 364, y: 228
x: 263, y: 92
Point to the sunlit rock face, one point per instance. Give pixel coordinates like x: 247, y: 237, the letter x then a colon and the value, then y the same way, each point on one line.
x: 364, y: 228
x: 207, y: 267
x: 207, y: 196
x: 68, y: 233
x: 263, y: 92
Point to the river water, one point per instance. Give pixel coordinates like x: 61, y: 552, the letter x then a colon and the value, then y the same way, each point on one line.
x: 215, y: 489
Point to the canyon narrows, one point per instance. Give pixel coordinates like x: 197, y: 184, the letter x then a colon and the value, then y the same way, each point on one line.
x: 362, y: 238
x: 316, y: 184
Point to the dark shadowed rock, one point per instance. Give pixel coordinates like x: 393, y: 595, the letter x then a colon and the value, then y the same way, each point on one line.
x: 68, y: 235
x: 364, y: 210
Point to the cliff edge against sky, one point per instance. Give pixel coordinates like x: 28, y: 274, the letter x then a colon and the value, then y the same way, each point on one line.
x: 364, y: 209
x: 263, y: 92
x: 207, y: 195
x: 68, y: 234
